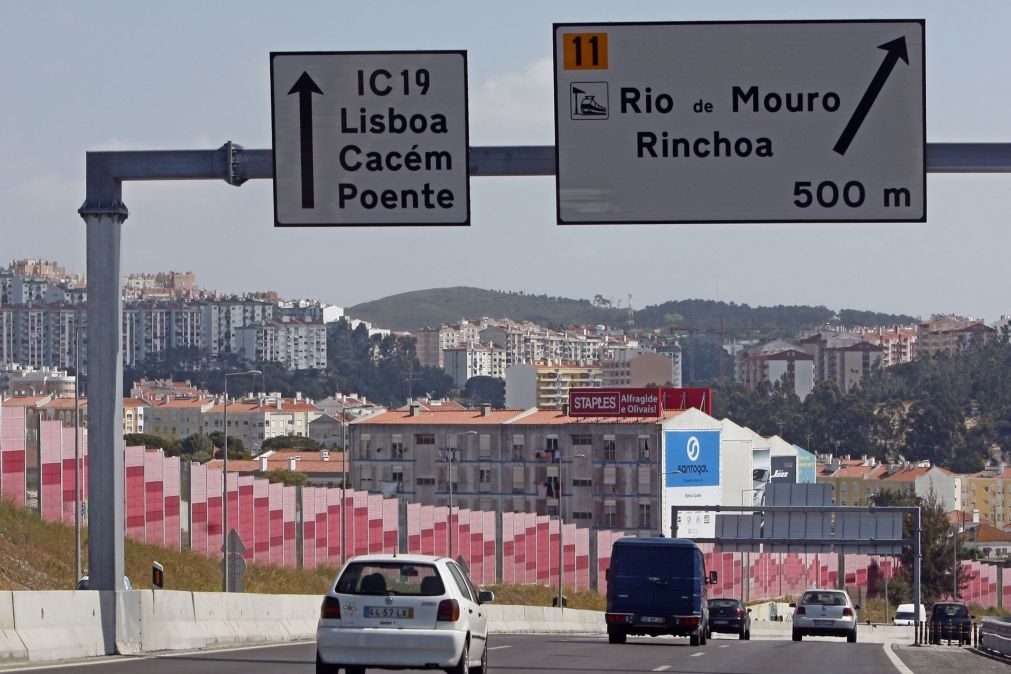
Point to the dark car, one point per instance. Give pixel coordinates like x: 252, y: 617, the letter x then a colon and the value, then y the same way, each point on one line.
x: 950, y: 620
x: 729, y: 616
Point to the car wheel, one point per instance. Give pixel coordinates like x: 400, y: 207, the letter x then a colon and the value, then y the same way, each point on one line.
x: 747, y: 635
x: 740, y: 635
x: 325, y: 667
x: 852, y: 637
x: 797, y: 636
x: 694, y: 639
x: 483, y: 667
x: 462, y: 667
x: 616, y: 636
x: 702, y: 637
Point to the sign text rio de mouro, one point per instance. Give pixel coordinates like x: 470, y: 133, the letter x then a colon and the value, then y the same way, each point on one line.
x: 370, y: 138
x: 804, y: 121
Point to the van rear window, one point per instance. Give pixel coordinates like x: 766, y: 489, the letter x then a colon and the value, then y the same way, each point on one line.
x: 391, y: 578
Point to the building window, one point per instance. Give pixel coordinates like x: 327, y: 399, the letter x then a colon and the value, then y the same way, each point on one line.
x: 518, y: 443
x: 582, y: 515
x: 552, y: 444
x: 424, y: 439
x: 578, y: 482
x: 609, y: 450
x: 643, y: 448
x: 552, y: 510
x: 644, y: 515
x: 582, y: 440
x: 398, y: 474
x: 610, y: 514
x: 425, y: 481
x: 397, y: 450
x: 484, y: 475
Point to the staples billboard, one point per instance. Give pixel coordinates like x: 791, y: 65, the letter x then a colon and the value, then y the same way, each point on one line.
x: 614, y: 402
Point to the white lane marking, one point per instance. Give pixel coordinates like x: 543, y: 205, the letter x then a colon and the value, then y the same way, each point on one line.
x: 661, y: 668
x: 725, y: 646
x: 495, y: 648
x: 695, y: 655
x: 899, y: 665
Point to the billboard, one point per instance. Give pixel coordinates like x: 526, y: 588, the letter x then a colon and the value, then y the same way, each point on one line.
x: 614, y: 402
x: 692, y: 458
x: 784, y: 469
x: 691, y: 476
x: 680, y: 398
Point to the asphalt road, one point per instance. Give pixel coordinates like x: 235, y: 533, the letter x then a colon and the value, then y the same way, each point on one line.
x: 539, y: 654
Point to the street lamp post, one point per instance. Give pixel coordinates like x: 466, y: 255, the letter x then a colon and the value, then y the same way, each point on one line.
x: 744, y: 575
x: 226, y: 584
x: 561, y: 523
x: 77, y: 452
x: 449, y: 518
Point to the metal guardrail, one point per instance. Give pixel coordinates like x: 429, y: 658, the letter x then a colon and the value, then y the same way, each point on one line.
x: 995, y: 636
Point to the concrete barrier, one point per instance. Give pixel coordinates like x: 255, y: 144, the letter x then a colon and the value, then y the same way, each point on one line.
x: 12, y: 649
x: 995, y: 636
x: 168, y: 622
x: 59, y: 625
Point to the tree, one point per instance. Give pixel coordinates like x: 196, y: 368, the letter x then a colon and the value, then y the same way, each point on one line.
x: 480, y: 390
x: 236, y: 450
x: 289, y: 478
x: 153, y: 441
x: 289, y: 442
x: 197, y: 443
x: 935, y: 543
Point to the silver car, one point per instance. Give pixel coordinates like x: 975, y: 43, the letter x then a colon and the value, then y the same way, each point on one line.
x: 825, y: 613
x: 402, y: 612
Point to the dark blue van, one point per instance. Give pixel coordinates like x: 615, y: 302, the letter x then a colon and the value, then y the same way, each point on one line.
x: 657, y: 586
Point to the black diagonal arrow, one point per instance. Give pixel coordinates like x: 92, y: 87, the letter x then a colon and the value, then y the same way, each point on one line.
x: 896, y: 50
x: 305, y: 88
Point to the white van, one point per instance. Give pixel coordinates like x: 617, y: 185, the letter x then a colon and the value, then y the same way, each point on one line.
x: 904, y: 615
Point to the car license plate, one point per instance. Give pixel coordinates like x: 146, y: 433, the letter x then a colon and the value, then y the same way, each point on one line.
x: 824, y: 623
x: 653, y: 619
x: 719, y: 622
x: 389, y: 612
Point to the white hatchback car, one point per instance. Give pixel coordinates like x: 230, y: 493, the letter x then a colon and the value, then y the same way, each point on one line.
x: 825, y: 613
x: 402, y: 611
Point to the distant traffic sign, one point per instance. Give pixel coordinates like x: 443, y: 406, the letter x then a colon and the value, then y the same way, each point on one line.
x: 370, y: 138
x: 740, y: 122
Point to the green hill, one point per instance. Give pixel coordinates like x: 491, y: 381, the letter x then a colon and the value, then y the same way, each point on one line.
x: 437, y: 306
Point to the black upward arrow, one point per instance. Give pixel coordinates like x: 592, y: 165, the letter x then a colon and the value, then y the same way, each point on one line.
x: 305, y: 88
x: 896, y: 50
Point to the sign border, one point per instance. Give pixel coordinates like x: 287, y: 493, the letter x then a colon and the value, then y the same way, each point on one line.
x: 414, y: 52
x: 923, y: 103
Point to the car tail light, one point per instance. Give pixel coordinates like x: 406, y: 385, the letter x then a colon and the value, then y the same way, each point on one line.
x: 449, y: 610
x: 800, y: 611
x: 687, y: 621
x: 331, y: 609
x: 740, y: 613
x: 617, y: 618
x: 847, y: 611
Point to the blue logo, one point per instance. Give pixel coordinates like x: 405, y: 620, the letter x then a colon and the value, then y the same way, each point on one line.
x: 692, y: 458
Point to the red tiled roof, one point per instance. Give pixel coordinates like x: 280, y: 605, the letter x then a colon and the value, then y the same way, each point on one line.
x: 436, y: 417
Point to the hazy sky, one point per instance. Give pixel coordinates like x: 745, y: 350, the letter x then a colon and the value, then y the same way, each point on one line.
x: 89, y: 75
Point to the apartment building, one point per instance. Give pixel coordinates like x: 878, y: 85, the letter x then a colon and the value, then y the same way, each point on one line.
x: 639, y: 368
x: 843, y: 358
x: 857, y: 481
x: 898, y: 344
x: 547, y: 386
x: 512, y: 460
x: 473, y: 360
x: 955, y: 340
x: 987, y: 494
x: 18, y: 380
x: 298, y: 345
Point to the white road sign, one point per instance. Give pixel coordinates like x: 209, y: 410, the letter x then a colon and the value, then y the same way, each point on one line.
x: 370, y: 138
x: 740, y: 122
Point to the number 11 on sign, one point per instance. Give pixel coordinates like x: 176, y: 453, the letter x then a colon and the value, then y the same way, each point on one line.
x: 585, y: 51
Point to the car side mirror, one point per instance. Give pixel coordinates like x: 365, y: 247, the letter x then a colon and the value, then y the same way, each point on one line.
x: 712, y: 578
x: 485, y: 597
x: 749, y: 610
x: 793, y: 605
x: 856, y: 606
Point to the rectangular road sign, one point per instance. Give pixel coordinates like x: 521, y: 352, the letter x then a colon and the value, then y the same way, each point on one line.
x: 370, y: 138
x: 795, y: 121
